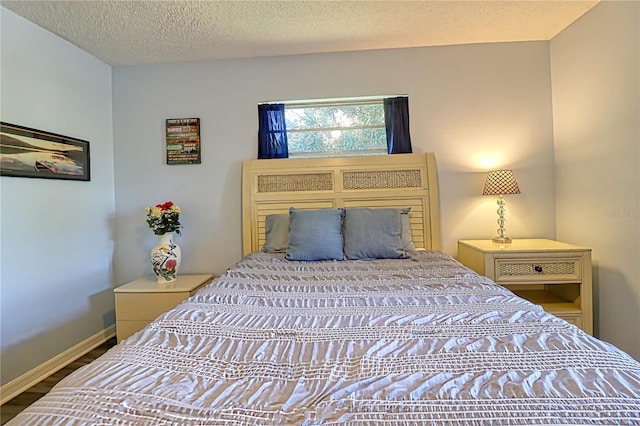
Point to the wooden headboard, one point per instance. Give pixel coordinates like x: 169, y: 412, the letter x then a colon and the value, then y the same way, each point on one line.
x: 400, y: 180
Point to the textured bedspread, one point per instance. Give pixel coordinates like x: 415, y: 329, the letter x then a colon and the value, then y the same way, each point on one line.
x: 386, y: 342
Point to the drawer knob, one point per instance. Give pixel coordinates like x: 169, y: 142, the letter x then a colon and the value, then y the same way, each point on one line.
x: 537, y: 268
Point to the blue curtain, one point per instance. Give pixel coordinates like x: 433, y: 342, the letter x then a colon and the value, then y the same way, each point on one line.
x: 272, y: 132
x: 396, y: 119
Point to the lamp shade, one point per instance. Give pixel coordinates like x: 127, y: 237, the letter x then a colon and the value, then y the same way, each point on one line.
x: 500, y: 182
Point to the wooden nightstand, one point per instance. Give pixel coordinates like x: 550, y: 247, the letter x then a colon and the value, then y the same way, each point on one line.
x: 549, y: 273
x: 143, y: 300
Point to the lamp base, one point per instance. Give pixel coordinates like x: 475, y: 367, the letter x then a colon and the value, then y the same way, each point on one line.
x: 501, y: 240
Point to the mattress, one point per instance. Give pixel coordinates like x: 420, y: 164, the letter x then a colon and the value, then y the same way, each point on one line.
x: 382, y: 342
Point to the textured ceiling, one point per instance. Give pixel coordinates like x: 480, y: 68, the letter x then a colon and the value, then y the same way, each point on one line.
x: 140, y: 32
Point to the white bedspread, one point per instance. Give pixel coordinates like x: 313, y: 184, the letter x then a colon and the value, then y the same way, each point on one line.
x: 387, y: 342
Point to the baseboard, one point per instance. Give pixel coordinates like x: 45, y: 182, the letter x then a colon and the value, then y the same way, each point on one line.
x: 30, y: 378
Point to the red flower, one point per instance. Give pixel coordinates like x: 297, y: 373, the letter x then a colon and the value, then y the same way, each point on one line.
x: 165, y: 206
x: 170, y: 264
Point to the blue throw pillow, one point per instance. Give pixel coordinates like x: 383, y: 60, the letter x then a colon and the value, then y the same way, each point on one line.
x: 407, y: 238
x: 276, y: 233
x: 373, y: 234
x: 315, y: 234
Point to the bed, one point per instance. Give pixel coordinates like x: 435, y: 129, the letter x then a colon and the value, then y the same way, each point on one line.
x: 418, y: 339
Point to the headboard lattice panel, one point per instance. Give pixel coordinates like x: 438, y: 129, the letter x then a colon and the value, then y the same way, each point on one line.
x: 382, y: 179
x: 401, y: 180
x: 298, y: 182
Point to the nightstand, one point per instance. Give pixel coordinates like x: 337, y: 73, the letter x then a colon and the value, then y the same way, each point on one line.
x: 552, y: 274
x: 143, y: 300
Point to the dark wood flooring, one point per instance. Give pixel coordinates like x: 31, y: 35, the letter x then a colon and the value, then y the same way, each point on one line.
x: 10, y: 409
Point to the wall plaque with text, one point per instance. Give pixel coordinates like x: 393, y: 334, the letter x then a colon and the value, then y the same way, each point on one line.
x: 183, y: 141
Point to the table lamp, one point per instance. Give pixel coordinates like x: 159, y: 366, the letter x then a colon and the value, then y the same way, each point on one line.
x: 501, y: 182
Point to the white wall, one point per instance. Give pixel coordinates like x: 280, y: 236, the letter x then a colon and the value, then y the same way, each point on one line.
x: 56, y: 235
x: 596, y: 102
x: 478, y: 107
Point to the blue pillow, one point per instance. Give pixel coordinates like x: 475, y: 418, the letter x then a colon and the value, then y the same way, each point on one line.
x: 315, y: 234
x: 276, y: 233
x: 407, y: 238
x: 373, y: 234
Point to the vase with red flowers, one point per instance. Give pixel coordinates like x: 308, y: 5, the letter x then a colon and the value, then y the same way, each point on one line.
x: 164, y: 221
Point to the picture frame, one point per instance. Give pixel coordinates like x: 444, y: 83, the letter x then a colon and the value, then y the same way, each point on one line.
x: 32, y: 153
x: 183, y: 141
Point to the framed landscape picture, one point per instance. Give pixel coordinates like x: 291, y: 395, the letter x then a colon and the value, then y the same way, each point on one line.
x: 26, y: 152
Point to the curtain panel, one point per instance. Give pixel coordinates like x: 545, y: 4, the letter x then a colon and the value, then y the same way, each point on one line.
x: 396, y: 118
x: 272, y: 131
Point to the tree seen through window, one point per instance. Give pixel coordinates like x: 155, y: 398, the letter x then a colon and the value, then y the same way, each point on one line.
x: 336, y: 128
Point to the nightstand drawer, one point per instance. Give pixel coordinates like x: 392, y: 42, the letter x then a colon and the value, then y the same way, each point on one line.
x: 146, y: 306
x: 537, y: 269
x: 143, y: 300
x: 573, y: 319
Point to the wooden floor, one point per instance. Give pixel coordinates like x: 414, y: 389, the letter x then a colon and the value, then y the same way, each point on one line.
x: 28, y: 397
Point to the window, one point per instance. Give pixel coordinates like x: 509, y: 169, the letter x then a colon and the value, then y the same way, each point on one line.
x: 336, y: 128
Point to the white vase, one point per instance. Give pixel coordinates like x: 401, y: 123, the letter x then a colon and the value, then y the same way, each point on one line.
x: 165, y: 258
